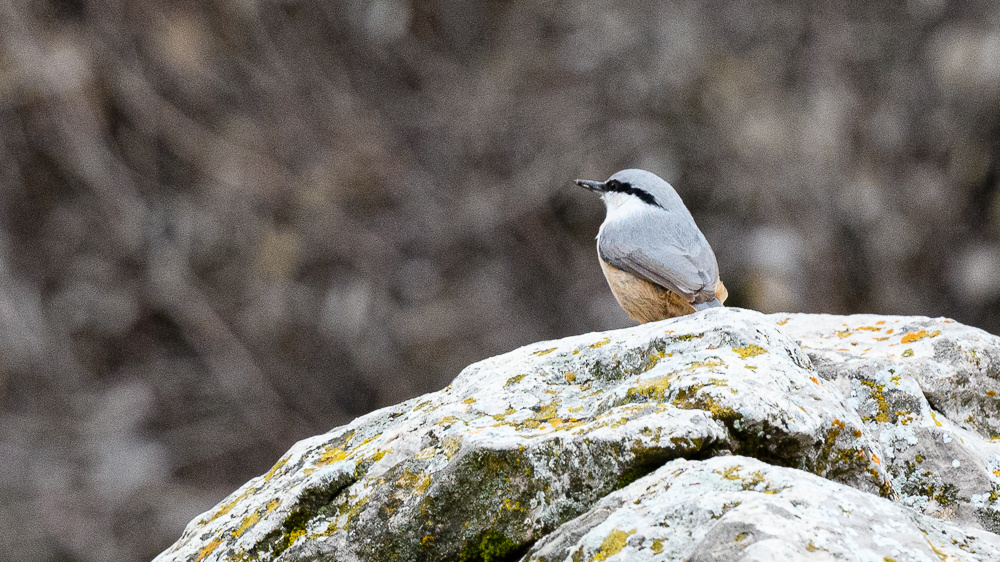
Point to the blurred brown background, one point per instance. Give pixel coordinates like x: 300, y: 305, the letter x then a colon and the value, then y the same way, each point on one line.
x: 227, y: 225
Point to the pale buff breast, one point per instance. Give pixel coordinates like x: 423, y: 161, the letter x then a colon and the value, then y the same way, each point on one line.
x: 645, y: 301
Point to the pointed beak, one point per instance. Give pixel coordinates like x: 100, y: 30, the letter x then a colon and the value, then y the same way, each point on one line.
x: 595, y: 186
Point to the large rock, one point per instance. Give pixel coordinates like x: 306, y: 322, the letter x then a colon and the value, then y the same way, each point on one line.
x: 544, y: 452
x: 736, y: 508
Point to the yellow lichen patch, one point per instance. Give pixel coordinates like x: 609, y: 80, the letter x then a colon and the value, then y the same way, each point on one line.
x: 246, y: 524
x: 570, y: 377
x: 878, y: 393
x: 620, y: 422
x: 654, y: 358
x: 731, y: 473
x: 749, y: 351
x: 713, y: 362
x: 544, y: 351
x: 911, y: 337
x: 510, y: 410
x: 991, y: 393
x: 409, y: 479
x: 426, y: 453
x: 740, y: 537
x: 547, y: 411
x: 612, y: 544
x: 208, y: 549
x: 868, y: 328
x: 378, y: 456
x: 655, y: 389
x: 427, y: 540
x: 348, y: 510
x: 751, y: 367
x: 513, y: 380
x: 601, y: 343
x: 907, y: 353
x: 331, y: 456
x: 936, y: 422
x: 331, y: 528
x: 451, y: 444
x: 512, y: 505
x: 229, y: 506
x: 294, y: 536
x: 689, y: 398
x: 783, y: 322
x: 423, y: 485
x: 657, y: 546
x: 272, y: 505
x: 469, y: 400
x: 756, y: 477
x: 274, y: 469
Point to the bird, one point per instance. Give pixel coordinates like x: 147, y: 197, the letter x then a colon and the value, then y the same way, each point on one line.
x: 657, y: 262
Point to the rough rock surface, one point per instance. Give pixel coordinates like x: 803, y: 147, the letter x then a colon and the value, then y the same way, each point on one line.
x: 723, y: 435
x: 755, y: 511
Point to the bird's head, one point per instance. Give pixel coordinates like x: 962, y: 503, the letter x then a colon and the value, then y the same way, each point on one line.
x: 632, y: 187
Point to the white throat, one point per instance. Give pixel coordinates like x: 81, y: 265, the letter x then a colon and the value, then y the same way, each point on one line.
x: 621, y: 204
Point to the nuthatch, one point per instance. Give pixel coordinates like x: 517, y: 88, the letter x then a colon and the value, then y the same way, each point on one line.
x: 655, y: 259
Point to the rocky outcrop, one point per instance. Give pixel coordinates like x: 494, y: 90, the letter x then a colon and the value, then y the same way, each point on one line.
x: 723, y: 435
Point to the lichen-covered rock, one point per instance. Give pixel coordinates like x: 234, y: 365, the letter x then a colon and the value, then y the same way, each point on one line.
x: 927, y: 389
x: 737, y: 508
x: 522, y: 443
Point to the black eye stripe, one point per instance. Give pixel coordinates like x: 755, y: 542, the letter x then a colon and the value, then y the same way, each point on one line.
x: 625, y: 187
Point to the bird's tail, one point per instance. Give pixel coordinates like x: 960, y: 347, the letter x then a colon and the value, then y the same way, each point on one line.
x: 714, y: 303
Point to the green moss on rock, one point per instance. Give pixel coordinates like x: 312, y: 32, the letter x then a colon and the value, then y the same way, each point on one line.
x: 492, y: 546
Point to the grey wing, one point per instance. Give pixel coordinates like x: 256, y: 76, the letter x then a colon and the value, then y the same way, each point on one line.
x: 674, y: 256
